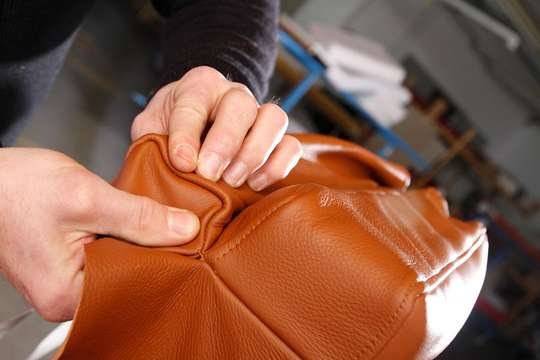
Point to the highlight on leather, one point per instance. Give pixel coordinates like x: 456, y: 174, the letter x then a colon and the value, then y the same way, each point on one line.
x: 335, y: 261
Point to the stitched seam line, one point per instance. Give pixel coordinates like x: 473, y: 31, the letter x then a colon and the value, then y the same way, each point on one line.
x: 380, y: 332
x: 373, y: 342
x: 400, y: 307
x: 480, y: 239
x: 418, y: 295
x: 253, y: 312
x: 256, y: 225
x: 393, y: 317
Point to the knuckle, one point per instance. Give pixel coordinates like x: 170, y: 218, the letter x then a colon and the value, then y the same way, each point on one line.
x: 277, y: 114
x: 191, y: 107
x: 139, y: 119
x: 243, y: 105
x: 148, y: 122
x: 205, y: 74
x: 137, y: 128
x: 243, y: 88
x: 242, y: 96
x: 165, y: 90
x: 81, y: 187
x: 227, y: 145
x: 145, y: 214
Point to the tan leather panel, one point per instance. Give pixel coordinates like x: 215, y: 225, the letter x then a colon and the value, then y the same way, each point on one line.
x: 149, y: 172
x: 323, y: 281
x: 142, y: 303
x: 431, y: 324
x: 365, y: 256
x: 335, y: 261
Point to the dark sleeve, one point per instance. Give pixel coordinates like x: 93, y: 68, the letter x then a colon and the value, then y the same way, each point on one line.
x: 236, y: 37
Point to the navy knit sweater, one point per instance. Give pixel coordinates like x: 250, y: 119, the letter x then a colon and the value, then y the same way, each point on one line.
x: 237, y: 37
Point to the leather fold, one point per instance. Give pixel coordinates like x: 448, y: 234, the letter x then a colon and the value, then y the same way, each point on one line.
x: 216, y: 202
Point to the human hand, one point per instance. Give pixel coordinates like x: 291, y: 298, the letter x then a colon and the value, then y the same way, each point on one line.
x: 50, y: 207
x: 245, y: 141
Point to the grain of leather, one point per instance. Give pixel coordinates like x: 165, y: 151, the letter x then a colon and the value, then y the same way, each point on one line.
x: 336, y: 261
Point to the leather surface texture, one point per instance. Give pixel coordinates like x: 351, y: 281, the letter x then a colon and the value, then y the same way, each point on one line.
x: 337, y: 261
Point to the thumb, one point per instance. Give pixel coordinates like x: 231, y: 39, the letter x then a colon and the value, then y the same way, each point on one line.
x: 143, y: 221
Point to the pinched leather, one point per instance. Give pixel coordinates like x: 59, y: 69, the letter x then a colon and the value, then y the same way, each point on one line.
x: 336, y: 261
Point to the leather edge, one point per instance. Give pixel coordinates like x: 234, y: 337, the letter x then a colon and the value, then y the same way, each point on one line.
x: 419, y: 308
x: 392, y: 174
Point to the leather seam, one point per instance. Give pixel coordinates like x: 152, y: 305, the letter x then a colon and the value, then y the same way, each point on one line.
x: 372, y: 341
x: 410, y: 239
x: 393, y: 317
x: 237, y: 243
x: 255, y: 315
x: 480, y: 239
x: 418, y: 295
x: 166, y: 160
x: 372, y: 346
x: 380, y: 332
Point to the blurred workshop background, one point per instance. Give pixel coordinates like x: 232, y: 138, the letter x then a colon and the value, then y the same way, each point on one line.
x: 450, y: 88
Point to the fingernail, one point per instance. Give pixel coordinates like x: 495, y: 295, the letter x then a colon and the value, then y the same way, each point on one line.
x: 258, y: 182
x: 211, y: 166
x: 236, y: 174
x: 186, y: 152
x: 182, y: 222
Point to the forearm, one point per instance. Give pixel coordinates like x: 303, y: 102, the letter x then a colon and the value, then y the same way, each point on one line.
x: 238, y: 38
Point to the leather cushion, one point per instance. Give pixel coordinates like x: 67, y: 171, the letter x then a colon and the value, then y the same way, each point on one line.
x: 336, y: 261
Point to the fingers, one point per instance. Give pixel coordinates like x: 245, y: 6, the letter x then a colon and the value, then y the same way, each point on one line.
x: 146, y: 222
x: 242, y: 136
x: 193, y: 103
x: 281, y: 162
x: 266, y: 133
x: 134, y: 218
x: 181, y: 109
x: 235, y: 115
x: 184, y: 137
x: 152, y: 120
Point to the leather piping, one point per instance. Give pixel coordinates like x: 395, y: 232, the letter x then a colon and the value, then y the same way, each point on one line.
x: 434, y: 280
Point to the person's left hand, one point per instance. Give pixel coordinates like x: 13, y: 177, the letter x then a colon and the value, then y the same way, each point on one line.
x: 244, y: 142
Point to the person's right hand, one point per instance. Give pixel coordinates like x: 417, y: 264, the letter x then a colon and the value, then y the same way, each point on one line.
x: 50, y: 207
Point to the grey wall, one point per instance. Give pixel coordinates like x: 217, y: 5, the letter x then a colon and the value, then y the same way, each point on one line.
x: 427, y: 31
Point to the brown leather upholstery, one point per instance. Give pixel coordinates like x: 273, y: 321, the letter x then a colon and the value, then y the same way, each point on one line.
x: 337, y: 261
